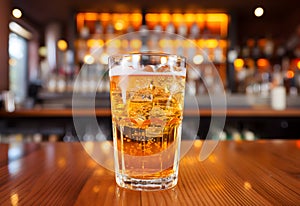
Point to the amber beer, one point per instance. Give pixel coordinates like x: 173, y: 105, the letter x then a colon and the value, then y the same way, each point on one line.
x: 147, y: 106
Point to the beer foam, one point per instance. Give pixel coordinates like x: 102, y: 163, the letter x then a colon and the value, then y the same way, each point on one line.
x: 125, y: 70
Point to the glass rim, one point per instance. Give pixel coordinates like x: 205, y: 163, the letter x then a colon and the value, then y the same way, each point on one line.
x: 148, y: 53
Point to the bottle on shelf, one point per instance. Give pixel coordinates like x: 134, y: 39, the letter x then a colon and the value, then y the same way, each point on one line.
x: 98, y: 28
x: 269, y: 48
x: 170, y: 28
x: 85, y: 31
x: 256, y: 51
x: 158, y: 28
x: 106, y: 29
x: 195, y: 31
x: 110, y: 28
x: 278, y: 92
x: 218, y: 54
x: 182, y: 29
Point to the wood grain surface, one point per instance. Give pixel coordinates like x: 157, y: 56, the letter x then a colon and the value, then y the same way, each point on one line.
x: 262, y: 172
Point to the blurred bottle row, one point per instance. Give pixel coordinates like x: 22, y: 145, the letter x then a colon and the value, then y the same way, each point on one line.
x: 69, y: 135
x: 199, y: 37
x: 37, y: 137
x: 264, y: 63
x: 254, y: 67
x: 231, y: 134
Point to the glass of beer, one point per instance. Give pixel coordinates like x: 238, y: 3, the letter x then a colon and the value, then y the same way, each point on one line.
x: 147, y: 99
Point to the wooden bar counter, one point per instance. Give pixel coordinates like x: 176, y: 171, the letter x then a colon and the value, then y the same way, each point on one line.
x: 262, y: 172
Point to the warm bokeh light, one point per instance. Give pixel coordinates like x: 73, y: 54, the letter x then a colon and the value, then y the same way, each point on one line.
x: 119, y: 25
x: 298, y: 143
x: 262, y: 42
x: 14, y: 199
x: 124, y: 44
x: 91, y: 16
x: 258, y: 12
x: 198, y: 59
x: 189, y: 18
x: 212, y: 158
x: 177, y: 19
x: 43, y: 51
x: 119, y: 21
x: 114, y: 43
x: 211, y: 43
x: 163, y: 43
x: 61, y: 162
x: 250, y: 63
x: 62, y: 45
x: 217, y: 17
x: 290, y: 74
x: 238, y: 64
x: 222, y: 43
x: 104, y: 58
x: 218, y: 21
x: 105, y: 17
x: 163, y: 60
x: 215, y: 21
x: 80, y: 20
x: 298, y: 64
x: 12, y: 62
x: 136, y: 20
x: 89, y: 59
x: 165, y: 18
x: 178, y: 43
x: 201, y: 43
x: 263, y: 63
x: 247, y: 185
x: 250, y: 43
x: 135, y: 44
x: 198, y: 144
x: 200, y: 18
x: 95, y: 43
x: 152, y: 19
x: 17, y: 13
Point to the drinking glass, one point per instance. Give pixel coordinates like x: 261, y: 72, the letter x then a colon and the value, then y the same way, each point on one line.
x: 147, y: 100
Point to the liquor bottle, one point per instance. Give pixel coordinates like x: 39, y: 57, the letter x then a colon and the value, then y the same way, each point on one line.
x: 98, y: 28
x: 245, y: 51
x: 130, y: 29
x: 269, y: 48
x: 144, y: 35
x: 182, y: 29
x: 278, y: 92
x: 61, y: 83
x: 248, y: 135
x: 158, y: 28
x: 110, y: 29
x: 84, y: 31
x: 52, y: 81
x: 218, y: 53
x: 195, y: 31
x: 170, y: 28
x: 256, y: 51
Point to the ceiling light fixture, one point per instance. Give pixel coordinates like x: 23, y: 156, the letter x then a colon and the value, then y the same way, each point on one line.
x: 259, y: 11
x: 17, y: 13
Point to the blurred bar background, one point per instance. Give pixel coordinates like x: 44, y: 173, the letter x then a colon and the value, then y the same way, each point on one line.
x: 254, y: 45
